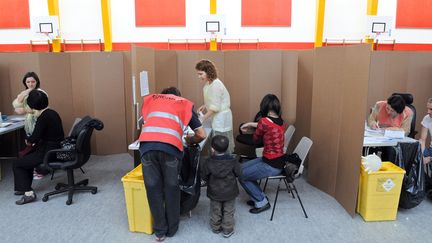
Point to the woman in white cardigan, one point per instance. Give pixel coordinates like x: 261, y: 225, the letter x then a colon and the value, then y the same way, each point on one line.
x: 216, y: 102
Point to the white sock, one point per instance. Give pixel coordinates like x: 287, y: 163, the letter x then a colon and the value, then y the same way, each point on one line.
x: 29, y: 193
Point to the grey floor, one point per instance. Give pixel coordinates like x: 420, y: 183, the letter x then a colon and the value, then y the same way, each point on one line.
x: 102, y: 217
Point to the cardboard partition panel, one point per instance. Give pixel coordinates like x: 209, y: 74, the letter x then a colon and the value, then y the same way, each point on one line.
x: 304, y: 96
x: 109, y: 107
x: 165, y: 69
x: 354, y: 94
x: 340, y: 85
x: 57, y: 82
x: 103, y: 78
x: 129, y: 107
x: 289, y: 85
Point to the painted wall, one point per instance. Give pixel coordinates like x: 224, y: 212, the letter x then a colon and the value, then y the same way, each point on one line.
x: 81, y: 19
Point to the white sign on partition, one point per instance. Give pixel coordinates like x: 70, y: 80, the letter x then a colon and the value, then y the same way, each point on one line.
x: 144, y: 84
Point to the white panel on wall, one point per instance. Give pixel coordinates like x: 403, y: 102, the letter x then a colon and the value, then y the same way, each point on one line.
x: 344, y: 19
x: 81, y: 19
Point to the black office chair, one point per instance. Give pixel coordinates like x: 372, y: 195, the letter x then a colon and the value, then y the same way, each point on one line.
x: 409, y: 99
x: 81, y: 154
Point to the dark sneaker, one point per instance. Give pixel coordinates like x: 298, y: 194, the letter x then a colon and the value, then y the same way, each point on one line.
x: 26, y: 199
x: 18, y: 193
x: 228, y: 234
x: 261, y: 209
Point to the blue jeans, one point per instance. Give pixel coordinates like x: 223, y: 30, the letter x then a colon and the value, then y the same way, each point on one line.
x: 427, y: 152
x: 254, y: 170
x: 161, y: 172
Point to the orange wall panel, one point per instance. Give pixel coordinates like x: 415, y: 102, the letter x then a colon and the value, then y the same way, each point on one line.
x: 266, y: 13
x: 414, y: 14
x: 160, y: 13
x: 14, y: 14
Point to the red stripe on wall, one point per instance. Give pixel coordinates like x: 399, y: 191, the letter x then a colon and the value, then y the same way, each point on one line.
x: 205, y: 46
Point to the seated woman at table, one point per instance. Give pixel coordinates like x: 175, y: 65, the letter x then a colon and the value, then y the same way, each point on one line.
x: 426, y: 128
x: 392, y: 114
x: 47, y: 134
x: 270, y: 128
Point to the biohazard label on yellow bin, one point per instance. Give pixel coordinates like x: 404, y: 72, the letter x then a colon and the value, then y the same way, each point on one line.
x: 386, y: 184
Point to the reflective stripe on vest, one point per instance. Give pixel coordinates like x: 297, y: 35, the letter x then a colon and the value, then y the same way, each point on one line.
x: 162, y: 130
x: 168, y: 116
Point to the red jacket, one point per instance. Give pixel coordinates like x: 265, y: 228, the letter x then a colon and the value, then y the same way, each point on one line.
x: 273, y: 138
x: 165, y: 118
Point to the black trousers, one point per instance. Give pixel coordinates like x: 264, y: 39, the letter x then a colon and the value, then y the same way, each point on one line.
x: 23, y: 167
x: 161, y: 171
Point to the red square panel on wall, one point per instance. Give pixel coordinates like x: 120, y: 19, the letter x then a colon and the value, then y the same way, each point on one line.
x: 414, y: 14
x: 14, y: 14
x: 160, y: 13
x: 266, y: 12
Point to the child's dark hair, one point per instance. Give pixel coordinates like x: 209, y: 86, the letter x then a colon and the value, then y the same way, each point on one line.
x: 220, y: 143
x: 270, y: 102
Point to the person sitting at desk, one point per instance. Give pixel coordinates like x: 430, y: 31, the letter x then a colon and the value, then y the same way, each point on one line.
x: 47, y: 134
x: 165, y: 117
x: 392, y: 114
x: 426, y: 126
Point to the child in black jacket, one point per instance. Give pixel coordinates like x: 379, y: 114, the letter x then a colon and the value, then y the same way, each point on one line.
x: 221, y: 170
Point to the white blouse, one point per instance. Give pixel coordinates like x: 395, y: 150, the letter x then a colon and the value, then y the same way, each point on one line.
x: 217, y: 99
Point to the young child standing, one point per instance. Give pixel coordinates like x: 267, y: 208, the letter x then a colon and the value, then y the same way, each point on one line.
x: 220, y: 171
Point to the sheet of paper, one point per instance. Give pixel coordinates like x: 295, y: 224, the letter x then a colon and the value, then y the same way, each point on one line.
x: 394, y: 134
x: 5, y: 124
x: 144, y: 84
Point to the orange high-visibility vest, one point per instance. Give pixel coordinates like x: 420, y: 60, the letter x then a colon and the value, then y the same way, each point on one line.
x: 165, y: 117
x: 385, y: 120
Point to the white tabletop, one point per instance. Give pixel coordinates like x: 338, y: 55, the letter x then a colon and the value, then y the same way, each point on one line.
x: 17, y: 123
x: 377, y: 139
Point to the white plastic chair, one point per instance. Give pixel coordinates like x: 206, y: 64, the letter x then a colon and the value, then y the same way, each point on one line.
x: 302, y: 151
x: 287, y: 138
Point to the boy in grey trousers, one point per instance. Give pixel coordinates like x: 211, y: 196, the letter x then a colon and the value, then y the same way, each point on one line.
x: 220, y: 171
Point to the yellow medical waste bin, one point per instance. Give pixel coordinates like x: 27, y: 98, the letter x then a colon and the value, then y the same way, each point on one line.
x: 379, y: 192
x: 138, y: 210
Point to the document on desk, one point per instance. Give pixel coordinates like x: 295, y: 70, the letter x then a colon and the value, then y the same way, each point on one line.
x: 394, y: 134
x: 5, y: 124
x: 17, y: 119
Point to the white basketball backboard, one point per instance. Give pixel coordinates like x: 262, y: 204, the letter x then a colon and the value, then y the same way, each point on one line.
x: 379, y: 26
x: 45, y: 25
x: 213, y: 24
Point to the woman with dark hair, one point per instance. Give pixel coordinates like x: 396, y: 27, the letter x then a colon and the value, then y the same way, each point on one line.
x: 216, y: 102
x: 30, y: 81
x: 47, y: 134
x: 392, y: 114
x: 269, y: 129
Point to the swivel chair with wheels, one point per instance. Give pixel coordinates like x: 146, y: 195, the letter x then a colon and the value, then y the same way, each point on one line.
x: 81, y: 154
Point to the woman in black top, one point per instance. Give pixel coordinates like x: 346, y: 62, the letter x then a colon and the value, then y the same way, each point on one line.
x: 46, y: 136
